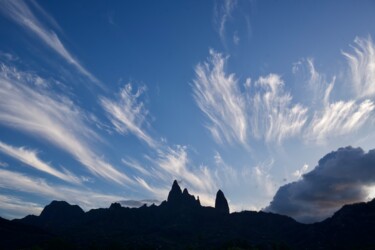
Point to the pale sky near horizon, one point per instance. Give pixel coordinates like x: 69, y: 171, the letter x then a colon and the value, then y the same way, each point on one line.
x: 102, y: 101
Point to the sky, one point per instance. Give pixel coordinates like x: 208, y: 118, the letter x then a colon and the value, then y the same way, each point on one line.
x: 272, y: 102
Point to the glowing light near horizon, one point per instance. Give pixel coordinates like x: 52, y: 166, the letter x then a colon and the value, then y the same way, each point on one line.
x: 371, y: 192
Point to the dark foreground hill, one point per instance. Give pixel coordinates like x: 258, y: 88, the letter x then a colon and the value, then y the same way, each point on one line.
x: 182, y: 223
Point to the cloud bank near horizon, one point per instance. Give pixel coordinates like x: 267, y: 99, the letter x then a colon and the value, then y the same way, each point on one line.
x: 344, y: 176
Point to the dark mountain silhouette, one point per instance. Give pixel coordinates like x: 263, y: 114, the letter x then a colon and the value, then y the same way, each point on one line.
x: 15, y: 235
x: 175, y: 194
x: 221, y: 203
x: 182, y: 223
x: 58, y: 214
x: 356, y: 221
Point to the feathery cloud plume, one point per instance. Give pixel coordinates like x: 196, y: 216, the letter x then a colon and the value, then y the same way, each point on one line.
x: 53, y: 117
x: 273, y: 114
x: 332, y: 119
x: 223, y: 12
x: 127, y: 114
x: 362, y: 65
x: 266, y: 110
x: 27, y: 184
x: 19, y: 12
x: 14, y: 207
x: 339, y: 118
x: 173, y: 163
x: 219, y: 97
x: 30, y: 157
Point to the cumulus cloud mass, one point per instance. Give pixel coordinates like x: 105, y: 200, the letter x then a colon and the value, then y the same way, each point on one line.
x: 341, y: 177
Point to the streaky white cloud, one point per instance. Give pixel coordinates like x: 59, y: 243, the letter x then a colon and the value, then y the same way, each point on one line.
x: 327, y: 118
x: 8, y: 56
x: 127, y: 114
x: 273, y: 114
x: 316, y: 79
x: 223, y: 12
x: 220, y: 99
x: 53, y: 117
x: 81, y: 196
x: 332, y: 119
x: 14, y: 207
x: 265, y: 109
x: 19, y: 12
x: 316, y: 88
x: 173, y: 163
x: 362, y: 65
x: 136, y: 165
x: 30, y: 157
x: 238, y: 182
x: 50, y: 19
x: 339, y: 118
x: 156, y: 191
x: 3, y: 164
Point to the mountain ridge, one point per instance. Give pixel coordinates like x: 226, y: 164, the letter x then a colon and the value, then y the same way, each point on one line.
x: 181, y: 222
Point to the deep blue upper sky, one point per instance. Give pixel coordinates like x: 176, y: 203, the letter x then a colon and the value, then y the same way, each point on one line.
x: 103, y: 101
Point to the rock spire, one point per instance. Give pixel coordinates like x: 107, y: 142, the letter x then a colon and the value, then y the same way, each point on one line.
x: 221, y: 203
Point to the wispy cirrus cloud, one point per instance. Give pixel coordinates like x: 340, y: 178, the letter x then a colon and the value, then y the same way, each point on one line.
x: 3, y: 164
x: 84, y: 197
x: 220, y: 99
x: 174, y: 163
x: 273, y: 115
x: 223, y: 11
x: 164, y: 163
x: 134, y: 164
x: 339, y: 118
x: 334, y: 118
x: 30, y: 157
x: 128, y: 114
x: 14, y: 207
x: 53, y: 117
x: 265, y: 109
x: 315, y: 83
x: 229, y: 19
x: 20, y: 13
x: 8, y: 56
x: 362, y: 66
x: 236, y: 181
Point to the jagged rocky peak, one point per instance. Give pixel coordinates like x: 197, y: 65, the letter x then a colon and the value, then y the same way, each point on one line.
x: 185, y: 192
x: 221, y: 203
x: 188, y: 199
x: 177, y: 198
x: 175, y: 194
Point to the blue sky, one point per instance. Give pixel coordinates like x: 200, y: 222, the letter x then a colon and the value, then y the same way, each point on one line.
x: 103, y: 101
